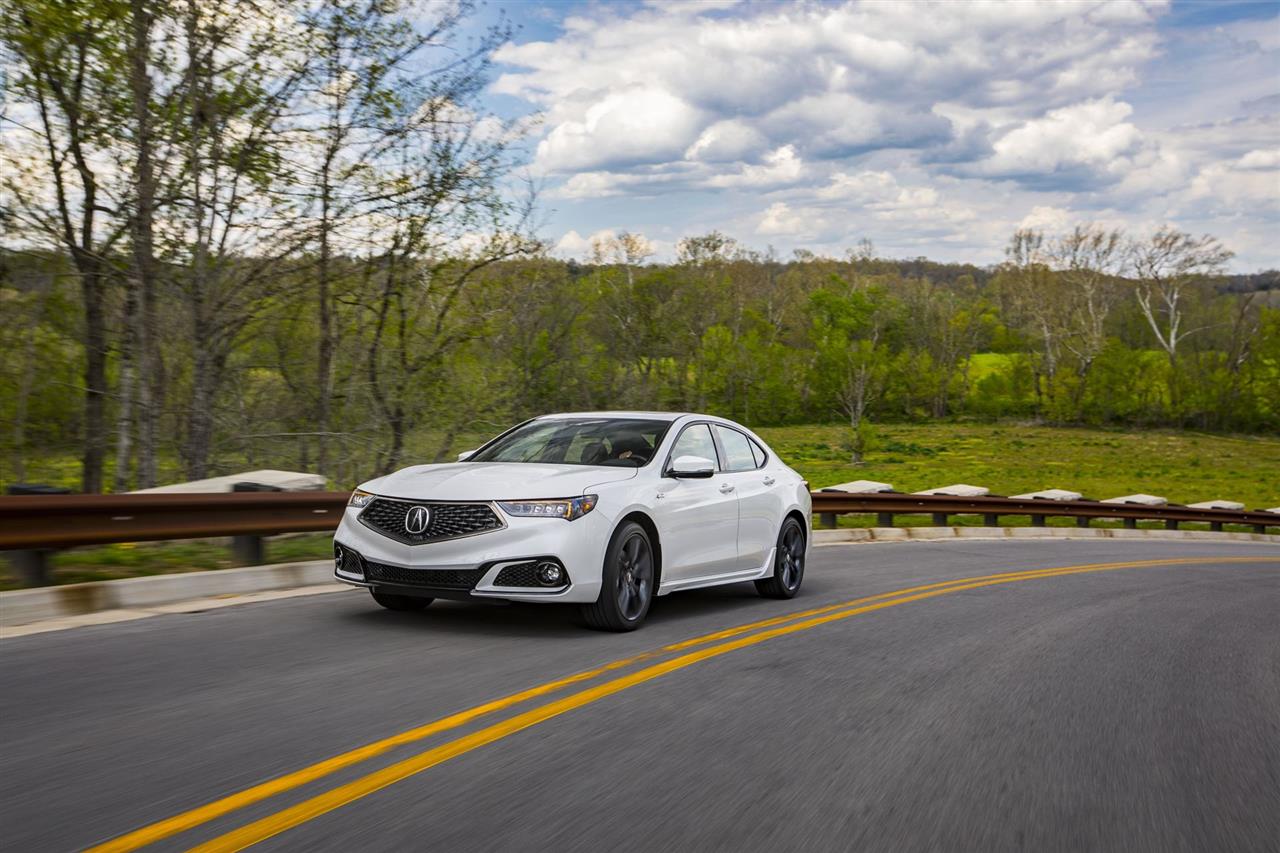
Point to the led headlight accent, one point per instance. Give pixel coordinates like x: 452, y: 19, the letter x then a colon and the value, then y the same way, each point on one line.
x: 359, y: 498
x: 566, y: 508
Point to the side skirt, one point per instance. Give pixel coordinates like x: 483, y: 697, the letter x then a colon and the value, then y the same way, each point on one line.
x: 763, y: 571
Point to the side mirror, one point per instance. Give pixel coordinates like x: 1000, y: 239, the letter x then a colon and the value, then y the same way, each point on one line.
x: 465, y: 455
x: 692, y: 467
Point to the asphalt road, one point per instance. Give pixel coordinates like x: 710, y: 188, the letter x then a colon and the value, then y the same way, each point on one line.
x: 1127, y: 709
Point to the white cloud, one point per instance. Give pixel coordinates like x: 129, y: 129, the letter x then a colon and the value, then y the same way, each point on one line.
x: 779, y: 167
x: 1090, y: 137
x: 1260, y: 159
x: 919, y: 125
x: 638, y: 124
x: 727, y: 141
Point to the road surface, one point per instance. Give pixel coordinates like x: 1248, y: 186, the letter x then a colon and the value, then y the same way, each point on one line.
x: 1121, y: 707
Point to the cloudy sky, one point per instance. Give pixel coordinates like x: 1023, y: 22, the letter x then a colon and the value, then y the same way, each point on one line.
x: 930, y: 129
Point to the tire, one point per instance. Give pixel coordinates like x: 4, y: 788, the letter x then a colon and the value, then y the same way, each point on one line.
x: 788, y: 563
x: 627, y: 587
x: 400, y: 602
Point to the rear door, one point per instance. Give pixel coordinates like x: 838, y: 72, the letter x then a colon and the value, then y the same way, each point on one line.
x: 760, y: 502
x: 698, y: 517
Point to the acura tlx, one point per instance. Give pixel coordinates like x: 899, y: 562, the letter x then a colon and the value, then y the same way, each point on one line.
x: 604, y: 510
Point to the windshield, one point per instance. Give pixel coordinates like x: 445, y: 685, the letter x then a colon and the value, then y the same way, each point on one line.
x: 624, y: 442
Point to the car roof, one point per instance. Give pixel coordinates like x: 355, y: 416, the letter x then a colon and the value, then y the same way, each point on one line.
x: 656, y: 416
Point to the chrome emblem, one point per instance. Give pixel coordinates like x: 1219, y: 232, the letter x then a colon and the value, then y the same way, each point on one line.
x: 416, y: 519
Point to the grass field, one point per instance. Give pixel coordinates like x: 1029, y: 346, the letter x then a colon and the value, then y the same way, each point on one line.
x: 1007, y: 458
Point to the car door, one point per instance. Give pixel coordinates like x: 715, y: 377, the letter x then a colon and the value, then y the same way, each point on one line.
x: 698, y: 518
x: 760, y: 504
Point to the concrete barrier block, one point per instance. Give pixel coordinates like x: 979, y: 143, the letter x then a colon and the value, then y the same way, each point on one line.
x: 32, y: 605
x: 857, y: 534
x: 1217, y: 504
x: 860, y: 487
x: 981, y: 532
x: 1049, y: 495
x: 1032, y: 532
x: 957, y: 490
x: 1140, y: 499
x: 888, y: 534
x: 931, y: 532
x: 29, y: 605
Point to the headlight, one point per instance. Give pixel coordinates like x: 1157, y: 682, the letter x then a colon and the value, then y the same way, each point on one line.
x: 359, y: 498
x: 566, y: 508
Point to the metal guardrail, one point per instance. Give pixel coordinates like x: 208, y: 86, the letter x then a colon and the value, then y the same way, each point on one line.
x: 32, y: 525
x: 63, y: 521
x: 886, y: 505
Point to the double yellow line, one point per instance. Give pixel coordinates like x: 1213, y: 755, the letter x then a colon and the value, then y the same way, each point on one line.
x: 725, y: 641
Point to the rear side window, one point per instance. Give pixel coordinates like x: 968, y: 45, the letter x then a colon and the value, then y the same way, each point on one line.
x: 695, y: 441
x: 758, y: 452
x: 737, y: 450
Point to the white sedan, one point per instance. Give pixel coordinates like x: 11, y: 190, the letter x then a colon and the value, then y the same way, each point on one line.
x: 604, y: 510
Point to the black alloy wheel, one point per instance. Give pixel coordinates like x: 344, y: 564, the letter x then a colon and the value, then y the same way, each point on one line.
x: 627, y: 587
x: 788, y: 563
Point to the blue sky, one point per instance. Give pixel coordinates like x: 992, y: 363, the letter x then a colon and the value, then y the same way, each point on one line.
x: 930, y: 129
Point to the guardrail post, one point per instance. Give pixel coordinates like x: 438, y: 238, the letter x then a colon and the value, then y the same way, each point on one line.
x: 1215, y: 526
x: 247, y: 550
x: 1131, y: 524
x: 1170, y: 524
x: 990, y: 519
x: 939, y: 519
x: 1082, y: 521
x: 32, y: 566
x: 884, y: 519
x: 1259, y: 528
x: 1037, y: 521
x: 827, y: 519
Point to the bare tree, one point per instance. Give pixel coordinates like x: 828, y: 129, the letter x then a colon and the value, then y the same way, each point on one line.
x: 65, y: 68
x: 1087, y: 263
x: 1034, y: 305
x: 1165, y: 265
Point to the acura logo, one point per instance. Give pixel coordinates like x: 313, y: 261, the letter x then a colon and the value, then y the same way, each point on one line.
x: 416, y: 519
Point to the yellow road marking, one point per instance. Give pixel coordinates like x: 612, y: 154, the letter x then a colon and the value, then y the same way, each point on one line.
x: 288, y: 818
x: 203, y: 814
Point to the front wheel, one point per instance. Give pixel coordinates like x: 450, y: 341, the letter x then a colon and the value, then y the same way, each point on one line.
x: 626, y: 590
x: 400, y: 602
x: 788, y: 563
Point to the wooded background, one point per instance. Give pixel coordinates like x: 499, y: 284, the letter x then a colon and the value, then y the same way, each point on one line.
x: 289, y: 235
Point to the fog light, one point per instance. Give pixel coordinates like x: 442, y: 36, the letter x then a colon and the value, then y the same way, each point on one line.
x: 549, y: 574
x: 339, y: 557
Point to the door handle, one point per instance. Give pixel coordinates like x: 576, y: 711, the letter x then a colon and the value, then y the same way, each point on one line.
x: 769, y: 481
x: 726, y: 488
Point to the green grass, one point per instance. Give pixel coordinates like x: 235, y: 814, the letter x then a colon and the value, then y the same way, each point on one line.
x: 1012, y: 459
x: 1007, y: 458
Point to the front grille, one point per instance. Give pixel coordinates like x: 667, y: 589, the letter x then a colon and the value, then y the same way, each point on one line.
x: 434, y: 578
x: 518, y: 574
x: 447, y: 521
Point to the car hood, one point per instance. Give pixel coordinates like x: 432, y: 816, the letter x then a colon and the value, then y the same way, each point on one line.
x: 485, y: 481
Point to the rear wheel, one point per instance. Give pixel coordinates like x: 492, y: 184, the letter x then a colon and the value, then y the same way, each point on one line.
x: 400, y: 602
x: 627, y: 588
x: 788, y: 563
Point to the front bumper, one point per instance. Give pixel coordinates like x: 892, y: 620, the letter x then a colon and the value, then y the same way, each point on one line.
x: 578, y: 545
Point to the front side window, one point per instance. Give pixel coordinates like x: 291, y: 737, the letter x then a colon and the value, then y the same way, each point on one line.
x: 737, y: 450
x: 623, y: 442
x: 695, y: 441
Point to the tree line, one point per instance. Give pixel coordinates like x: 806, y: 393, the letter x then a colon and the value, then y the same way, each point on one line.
x: 278, y: 233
